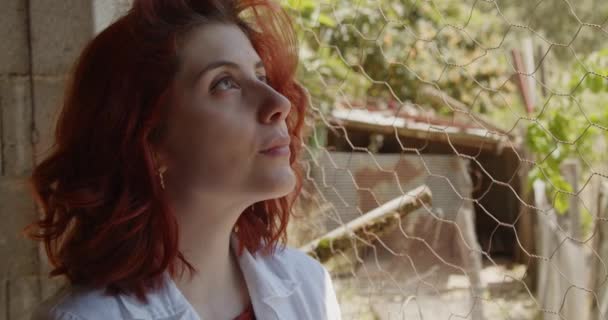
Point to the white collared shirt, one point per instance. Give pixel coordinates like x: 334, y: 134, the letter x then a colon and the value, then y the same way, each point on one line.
x: 286, y: 285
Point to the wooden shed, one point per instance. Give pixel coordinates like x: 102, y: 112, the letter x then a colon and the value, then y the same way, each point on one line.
x: 375, y: 154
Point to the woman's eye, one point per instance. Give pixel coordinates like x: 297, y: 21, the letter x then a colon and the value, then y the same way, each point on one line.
x: 223, y: 80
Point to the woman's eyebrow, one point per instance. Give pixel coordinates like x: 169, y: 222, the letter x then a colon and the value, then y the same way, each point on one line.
x: 216, y: 64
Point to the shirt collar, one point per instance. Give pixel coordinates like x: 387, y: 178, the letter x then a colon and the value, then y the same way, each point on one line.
x: 270, y: 285
x: 261, y: 273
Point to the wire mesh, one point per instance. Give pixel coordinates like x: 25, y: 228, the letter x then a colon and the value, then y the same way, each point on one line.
x: 499, y: 108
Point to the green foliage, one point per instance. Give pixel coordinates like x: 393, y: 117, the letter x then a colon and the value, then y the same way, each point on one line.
x: 388, y: 49
x: 561, y: 22
x: 569, y: 127
x: 593, y: 74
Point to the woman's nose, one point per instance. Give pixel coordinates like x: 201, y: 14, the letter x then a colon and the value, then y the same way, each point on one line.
x: 274, y: 106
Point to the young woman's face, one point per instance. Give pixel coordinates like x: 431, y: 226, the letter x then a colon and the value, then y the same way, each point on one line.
x: 224, y: 115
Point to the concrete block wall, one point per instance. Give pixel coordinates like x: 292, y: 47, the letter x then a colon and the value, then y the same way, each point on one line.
x: 19, y: 287
x: 39, y: 42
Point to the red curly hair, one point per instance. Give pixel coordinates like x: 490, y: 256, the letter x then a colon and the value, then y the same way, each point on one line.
x: 104, y: 220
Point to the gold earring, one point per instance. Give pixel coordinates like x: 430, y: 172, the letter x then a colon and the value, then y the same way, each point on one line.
x: 161, y: 170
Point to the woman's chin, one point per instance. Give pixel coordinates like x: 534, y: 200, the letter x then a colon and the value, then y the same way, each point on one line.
x: 279, y: 184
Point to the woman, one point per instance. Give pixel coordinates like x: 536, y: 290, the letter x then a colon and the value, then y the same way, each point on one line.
x: 176, y: 151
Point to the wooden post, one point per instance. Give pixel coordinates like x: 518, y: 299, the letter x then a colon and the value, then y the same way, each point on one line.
x: 600, y: 272
x: 570, y: 169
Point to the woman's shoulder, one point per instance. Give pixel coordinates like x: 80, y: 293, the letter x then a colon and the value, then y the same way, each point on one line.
x: 77, y: 303
x: 87, y: 303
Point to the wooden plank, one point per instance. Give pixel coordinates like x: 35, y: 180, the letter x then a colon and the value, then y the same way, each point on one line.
x: 376, y: 222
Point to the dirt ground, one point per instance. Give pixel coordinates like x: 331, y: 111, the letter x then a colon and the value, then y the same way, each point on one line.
x: 424, y: 278
x: 433, y: 295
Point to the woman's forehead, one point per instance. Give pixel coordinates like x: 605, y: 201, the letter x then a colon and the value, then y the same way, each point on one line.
x: 211, y: 42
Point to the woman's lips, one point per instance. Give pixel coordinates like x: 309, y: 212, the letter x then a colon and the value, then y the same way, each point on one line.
x: 277, y: 151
